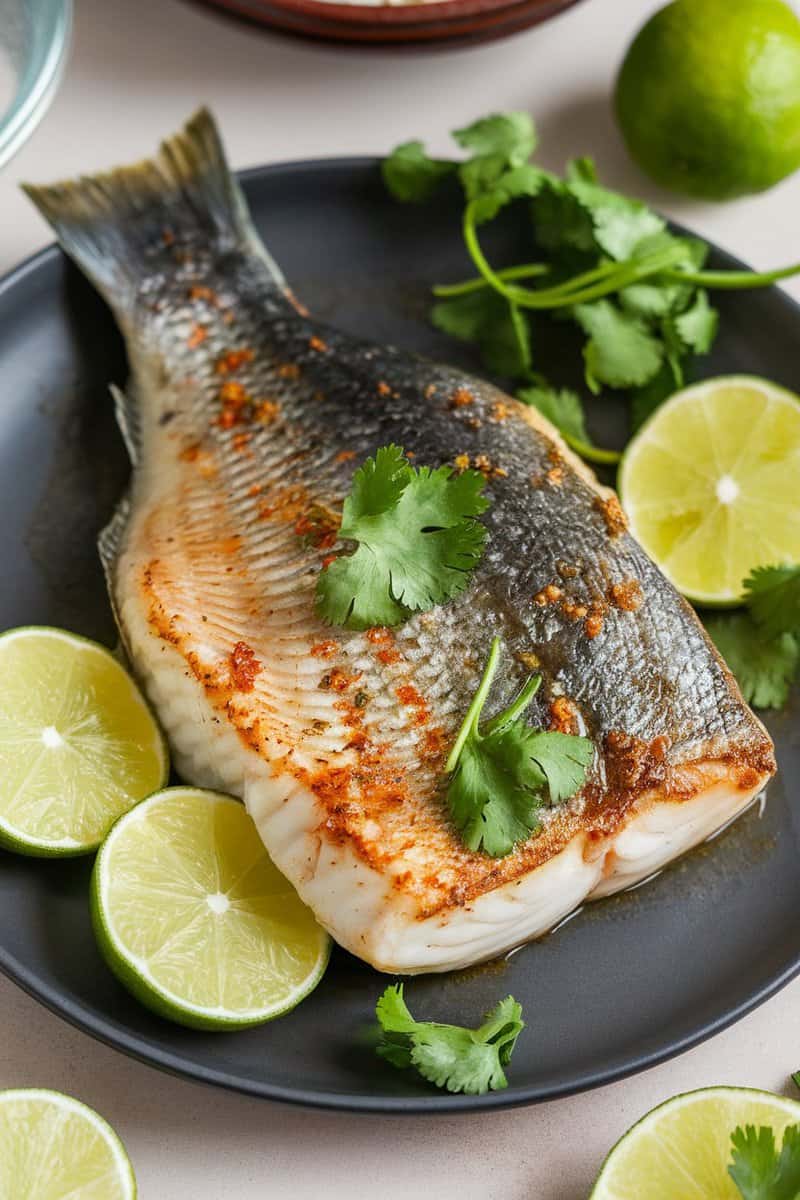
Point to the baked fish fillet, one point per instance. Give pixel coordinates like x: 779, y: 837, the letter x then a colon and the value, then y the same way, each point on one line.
x: 245, y: 420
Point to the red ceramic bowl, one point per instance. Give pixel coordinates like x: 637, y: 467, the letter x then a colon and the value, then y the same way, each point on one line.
x: 443, y: 20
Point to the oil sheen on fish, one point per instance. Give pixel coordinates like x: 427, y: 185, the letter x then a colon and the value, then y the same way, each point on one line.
x: 245, y: 420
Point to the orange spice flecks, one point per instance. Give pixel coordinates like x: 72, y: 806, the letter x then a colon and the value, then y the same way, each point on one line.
x: 198, y: 335
x: 319, y: 526
x: 489, y: 470
x: 236, y: 404
x: 383, y: 388
x: 430, y: 391
x: 409, y: 697
x: 461, y: 462
x: 241, y: 441
x: 232, y: 360
x: 338, y: 680
x: 548, y: 595
x: 267, y: 411
x: 593, y: 624
x: 627, y: 595
x: 190, y: 453
x: 244, y: 666
x: 500, y: 410
x: 324, y: 649
x: 288, y: 371
x: 563, y: 715
x: 611, y: 511
x: 316, y: 343
x: 286, y: 504
x: 379, y: 635
x: 461, y: 398
x: 345, y: 456
x: 200, y: 292
x: 167, y: 237
x: 573, y: 611
x: 389, y: 656
x: 255, y: 489
x: 434, y: 743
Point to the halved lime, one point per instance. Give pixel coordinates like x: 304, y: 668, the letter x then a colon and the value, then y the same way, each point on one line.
x: 195, y: 920
x: 53, y: 1147
x: 711, y: 485
x: 78, y: 744
x: 681, y: 1150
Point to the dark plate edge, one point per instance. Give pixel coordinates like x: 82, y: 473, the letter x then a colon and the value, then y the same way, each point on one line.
x: 104, y: 1031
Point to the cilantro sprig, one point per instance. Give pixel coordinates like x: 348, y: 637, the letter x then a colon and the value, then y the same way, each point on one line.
x: 761, y: 642
x: 638, y: 292
x: 417, y: 540
x: 450, y: 1056
x: 504, y: 771
x: 759, y: 1170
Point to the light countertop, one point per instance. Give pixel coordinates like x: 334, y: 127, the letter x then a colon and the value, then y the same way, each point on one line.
x: 138, y: 67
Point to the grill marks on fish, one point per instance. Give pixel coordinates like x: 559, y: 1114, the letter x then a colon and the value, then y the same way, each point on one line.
x: 246, y: 439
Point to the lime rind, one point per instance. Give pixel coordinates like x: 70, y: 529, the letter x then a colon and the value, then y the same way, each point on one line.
x: 671, y: 443
x: 125, y: 1177
x: 22, y: 841
x: 735, y: 1105
x: 132, y: 969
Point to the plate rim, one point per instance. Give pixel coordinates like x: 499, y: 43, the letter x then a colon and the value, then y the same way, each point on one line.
x: 104, y: 1030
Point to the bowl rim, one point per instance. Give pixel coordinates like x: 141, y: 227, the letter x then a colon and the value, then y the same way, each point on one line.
x: 39, y: 80
x: 420, y: 13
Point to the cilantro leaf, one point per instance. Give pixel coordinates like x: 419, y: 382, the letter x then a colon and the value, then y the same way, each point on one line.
x: 764, y: 667
x: 504, y: 773
x: 773, y: 597
x: 511, y: 185
x: 511, y: 135
x: 562, y: 407
x: 796, y: 1079
x: 450, y: 1056
x: 621, y: 351
x: 758, y: 1170
x: 499, y: 328
x: 417, y: 540
x: 619, y: 224
x: 697, y: 326
x: 410, y: 175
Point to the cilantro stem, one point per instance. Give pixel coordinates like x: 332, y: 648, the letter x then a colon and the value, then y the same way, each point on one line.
x: 733, y: 279
x: 516, y: 708
x: 581, y: 289
x: 595, y: 454
x: 523, y: 271
x: 470, y: 724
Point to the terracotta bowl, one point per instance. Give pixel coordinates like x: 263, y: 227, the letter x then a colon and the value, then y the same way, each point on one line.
x: 444, y: 20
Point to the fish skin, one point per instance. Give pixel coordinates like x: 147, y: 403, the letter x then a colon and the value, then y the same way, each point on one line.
x: 246, y: 419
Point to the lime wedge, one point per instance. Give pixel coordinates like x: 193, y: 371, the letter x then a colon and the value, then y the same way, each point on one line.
x: 711, y: 485
x: 195, y: 920
x: 53, y: 1147
x: 681, y: 1150
x: 78, y: 744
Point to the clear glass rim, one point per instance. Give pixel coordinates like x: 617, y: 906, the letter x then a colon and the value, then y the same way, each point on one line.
x: 39, y: 79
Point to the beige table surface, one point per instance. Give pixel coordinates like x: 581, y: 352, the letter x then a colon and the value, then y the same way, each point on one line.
x: 137, y: 68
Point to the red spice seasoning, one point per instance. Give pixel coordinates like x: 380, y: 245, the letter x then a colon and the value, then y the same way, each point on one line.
x: 324, y: 649
x: 548, y: 595
x: 460, y: 398
x: 384, y: 389
x: 611, y: 512
x: 197, y: 336
x: 345, y: 456
x: 232, y: 360
x: 338, y: 680
x: 288, y: 371
x: 627, y: 595
x: 267, y: 411
x: 244, y: 666
x: 316, y: 343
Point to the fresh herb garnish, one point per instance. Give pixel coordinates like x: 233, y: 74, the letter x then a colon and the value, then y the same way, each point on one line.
x: 638, y: 292
x: 759, y: 1171
x: 761, y: 643
x: 417, y: 541
x: 796, y: 1079
x: 504, y: 772
x: 563, y: 408
x: 450, y: 1056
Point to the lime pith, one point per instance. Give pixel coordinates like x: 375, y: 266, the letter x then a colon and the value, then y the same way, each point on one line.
x: 78, y: 744
x: 195, y: 920
x: 681, y: 1150
x: 52, y: 1146
x: 711, y: 485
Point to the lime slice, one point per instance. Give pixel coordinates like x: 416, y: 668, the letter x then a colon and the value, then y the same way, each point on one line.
x: 711, y: 485
x: 53, y: 1147
x: 78, y: 744
x: 195, y: 920
x: 681, y: 1150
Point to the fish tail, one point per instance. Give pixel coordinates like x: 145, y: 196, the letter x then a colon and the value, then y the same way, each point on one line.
x: 119, y: 225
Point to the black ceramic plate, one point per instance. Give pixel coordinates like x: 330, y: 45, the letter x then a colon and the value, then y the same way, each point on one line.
x: 626, y: 983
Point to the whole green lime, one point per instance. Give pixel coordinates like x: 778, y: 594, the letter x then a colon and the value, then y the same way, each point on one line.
x: 708, y: 96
